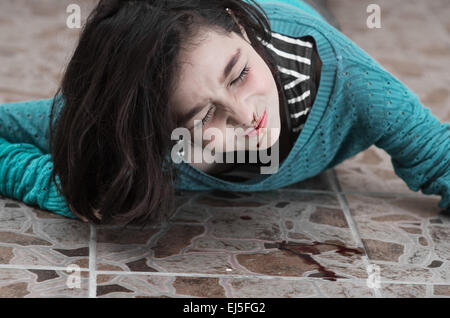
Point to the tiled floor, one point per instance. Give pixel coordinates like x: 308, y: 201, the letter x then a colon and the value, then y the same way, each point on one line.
x: 352, y: 231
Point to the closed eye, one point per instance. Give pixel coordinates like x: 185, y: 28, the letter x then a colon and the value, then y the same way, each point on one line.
x: 208, y: 115
x: 242, y: 76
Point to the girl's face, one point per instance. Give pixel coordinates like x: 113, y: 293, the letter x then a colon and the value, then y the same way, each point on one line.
x: 224, y: 83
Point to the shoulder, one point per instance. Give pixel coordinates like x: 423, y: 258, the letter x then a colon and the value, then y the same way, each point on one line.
x: 295, y: 21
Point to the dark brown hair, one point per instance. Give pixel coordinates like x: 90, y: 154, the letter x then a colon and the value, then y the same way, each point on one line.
x: 110, y: 136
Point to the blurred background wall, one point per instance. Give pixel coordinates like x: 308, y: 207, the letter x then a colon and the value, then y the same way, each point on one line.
x: 413, y: 43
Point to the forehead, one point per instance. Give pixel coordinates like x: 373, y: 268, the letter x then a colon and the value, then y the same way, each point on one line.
x: 201, y: 65
x: 208, y: 48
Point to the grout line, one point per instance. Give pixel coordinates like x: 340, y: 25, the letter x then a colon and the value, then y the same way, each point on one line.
x: 267, y: 277
x: 428, y: 291
x: 172, y: 274
x: 227, y: 276
x: 334, y: 181
x: 388, y: 194
x: 181, y: 274
x: 38, y: 267
x: 410, y: 194
x: 348, y: 216
x: 399, y: 282
x: 92, y: 263
x: 318, y: 291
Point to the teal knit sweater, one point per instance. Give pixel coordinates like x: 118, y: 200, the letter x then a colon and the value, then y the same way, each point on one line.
x: 358, y: 104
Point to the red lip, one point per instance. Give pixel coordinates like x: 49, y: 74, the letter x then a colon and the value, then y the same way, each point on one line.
x: 262, y: 124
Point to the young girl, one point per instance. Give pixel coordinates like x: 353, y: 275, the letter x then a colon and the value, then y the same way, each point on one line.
x: 102, y: 148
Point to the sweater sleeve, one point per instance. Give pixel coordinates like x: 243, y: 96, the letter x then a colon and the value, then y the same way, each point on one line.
x: 25, y: 175
x: 418, y: 143
x: 26, y: 122
x: 25, y: 162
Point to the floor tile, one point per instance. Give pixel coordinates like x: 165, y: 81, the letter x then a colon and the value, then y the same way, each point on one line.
x: 415, y: 291
x: 404, y: 290
x: 441, y: 290
x: 30, y: 236
x: 22, y: 283
x: 298, y: 235
x: 407, y: 237
x: 345, y: 290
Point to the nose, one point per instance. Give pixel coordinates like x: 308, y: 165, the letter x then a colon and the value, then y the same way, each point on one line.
x: 241, y: 115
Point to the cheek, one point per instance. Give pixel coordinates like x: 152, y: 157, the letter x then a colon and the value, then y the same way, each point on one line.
x: 259, y: 82
x: 263, y: 84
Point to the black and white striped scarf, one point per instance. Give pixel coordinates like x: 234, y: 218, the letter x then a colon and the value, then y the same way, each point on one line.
x: 295, y: 60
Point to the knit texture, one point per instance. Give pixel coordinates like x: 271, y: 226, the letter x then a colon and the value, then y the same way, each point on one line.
x: 358, y: 104
x: 25, y: 174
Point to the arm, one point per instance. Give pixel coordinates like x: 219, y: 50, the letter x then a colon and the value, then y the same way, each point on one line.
x: 25, y: 165
x: 25, y: 175
x: 418, y: 143
x: 26, y: 122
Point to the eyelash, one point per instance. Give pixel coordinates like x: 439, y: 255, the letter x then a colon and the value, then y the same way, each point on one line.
x: 241, y: 77
x: 208, y: 115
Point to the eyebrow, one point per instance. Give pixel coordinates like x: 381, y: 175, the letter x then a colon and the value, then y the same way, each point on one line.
x: 226, y: 72
x: 231, y: 63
